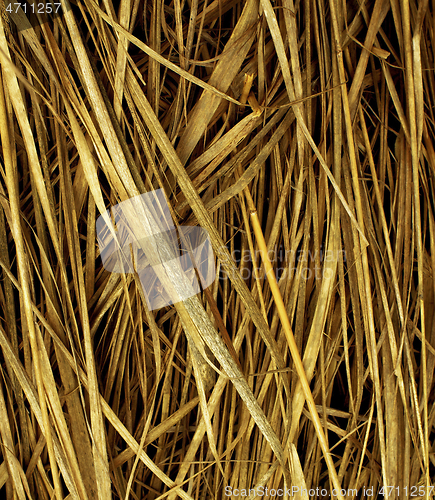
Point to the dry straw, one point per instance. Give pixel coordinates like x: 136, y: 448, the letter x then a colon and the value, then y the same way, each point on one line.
x: 300, y: 136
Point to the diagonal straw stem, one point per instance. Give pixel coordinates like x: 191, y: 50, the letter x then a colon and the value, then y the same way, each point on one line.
x: 291, y: 342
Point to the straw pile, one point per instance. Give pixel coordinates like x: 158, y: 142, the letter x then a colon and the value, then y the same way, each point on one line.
x: 299, y: 135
